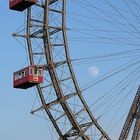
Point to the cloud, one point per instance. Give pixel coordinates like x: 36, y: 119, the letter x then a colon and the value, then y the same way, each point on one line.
x: 93, y: 71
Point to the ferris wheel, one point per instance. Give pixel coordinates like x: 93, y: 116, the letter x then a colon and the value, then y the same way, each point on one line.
x: 73, y: 113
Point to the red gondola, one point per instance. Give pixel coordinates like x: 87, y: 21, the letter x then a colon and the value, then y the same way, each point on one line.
x: 28, y: 77
x: 20, y: 5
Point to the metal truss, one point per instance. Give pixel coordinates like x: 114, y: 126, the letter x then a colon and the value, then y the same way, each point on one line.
x: 60, y: 94
x: 132, y: 118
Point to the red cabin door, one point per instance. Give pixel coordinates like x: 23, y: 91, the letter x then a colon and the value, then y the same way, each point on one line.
x: 35, y: 74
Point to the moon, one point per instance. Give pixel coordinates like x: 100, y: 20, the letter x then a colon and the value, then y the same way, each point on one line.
x: 94, y: 71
